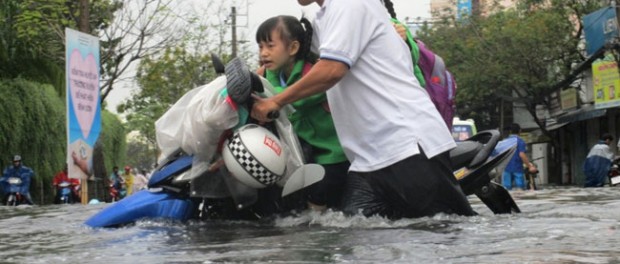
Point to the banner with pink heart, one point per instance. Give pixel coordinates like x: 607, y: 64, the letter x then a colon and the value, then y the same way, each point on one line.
x: 83, y: 103
x: 84, y: 90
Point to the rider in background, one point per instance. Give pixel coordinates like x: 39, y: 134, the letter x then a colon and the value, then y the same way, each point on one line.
x: 19, y: 171
x: 284, y: 51
x: 129, y: 179
x: 63, y: 176
x: 117, y: 182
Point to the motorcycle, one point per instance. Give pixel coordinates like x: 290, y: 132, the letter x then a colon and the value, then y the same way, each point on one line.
x: 614, y: 173
x: 184, y: 187
x: 113, y: 193
x: 530, y: 176
x: 13, y: 196
x: 116, y: 192
x: 67, y: 192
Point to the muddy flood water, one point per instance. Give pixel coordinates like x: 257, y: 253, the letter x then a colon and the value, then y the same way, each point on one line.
x: 557, y: 225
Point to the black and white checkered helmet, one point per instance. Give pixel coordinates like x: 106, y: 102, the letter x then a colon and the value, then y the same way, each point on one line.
x: 255, y: 156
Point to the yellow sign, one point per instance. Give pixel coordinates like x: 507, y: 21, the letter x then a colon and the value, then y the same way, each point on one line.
x: 606, y: 83
x: 568, y: 98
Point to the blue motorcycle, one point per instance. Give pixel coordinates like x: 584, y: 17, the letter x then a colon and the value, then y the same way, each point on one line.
x: 13, y: 195
x: 178, y: 190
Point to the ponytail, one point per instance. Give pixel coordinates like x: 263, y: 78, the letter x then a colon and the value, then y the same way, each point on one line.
x: 390, y: 8
x: 305, y: 50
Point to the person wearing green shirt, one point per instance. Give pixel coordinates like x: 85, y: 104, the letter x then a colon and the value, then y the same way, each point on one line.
x: 284, y: 47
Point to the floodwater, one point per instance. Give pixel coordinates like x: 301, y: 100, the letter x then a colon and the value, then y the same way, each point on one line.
x: 558, y: 225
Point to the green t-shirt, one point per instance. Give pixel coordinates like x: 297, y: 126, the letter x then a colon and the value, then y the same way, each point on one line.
x: 311, y: 121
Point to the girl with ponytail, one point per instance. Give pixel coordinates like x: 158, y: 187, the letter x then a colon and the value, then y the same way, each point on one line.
x: 284, y: 52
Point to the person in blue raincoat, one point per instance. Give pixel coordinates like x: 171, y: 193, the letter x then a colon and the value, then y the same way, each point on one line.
x: 598, y: 162
x: 20, y: 171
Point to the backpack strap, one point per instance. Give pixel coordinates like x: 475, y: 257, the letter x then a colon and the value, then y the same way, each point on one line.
x: 306, y: 69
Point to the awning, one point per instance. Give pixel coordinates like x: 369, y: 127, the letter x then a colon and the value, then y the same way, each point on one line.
x: 580, y: 115
x: 555, y: 126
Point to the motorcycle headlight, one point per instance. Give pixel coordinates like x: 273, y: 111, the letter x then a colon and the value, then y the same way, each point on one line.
x: 15, y: 180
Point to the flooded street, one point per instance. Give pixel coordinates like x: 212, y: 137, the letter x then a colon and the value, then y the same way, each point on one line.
x: 558, y: 225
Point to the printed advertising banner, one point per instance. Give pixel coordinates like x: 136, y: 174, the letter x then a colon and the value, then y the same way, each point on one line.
x: 83, y: 107
x: 463, y: 8
x: 600, y: 27
x: 606, y: 83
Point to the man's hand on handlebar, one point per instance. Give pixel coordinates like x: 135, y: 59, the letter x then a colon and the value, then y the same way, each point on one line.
x: 264, y: 109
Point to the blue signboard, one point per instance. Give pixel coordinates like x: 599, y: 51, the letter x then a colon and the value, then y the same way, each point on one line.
x: 463, y: 8
x: 600, y: 27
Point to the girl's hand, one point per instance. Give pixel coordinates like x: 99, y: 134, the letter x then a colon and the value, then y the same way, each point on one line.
x: 260, y: 71
x: 401, y: 30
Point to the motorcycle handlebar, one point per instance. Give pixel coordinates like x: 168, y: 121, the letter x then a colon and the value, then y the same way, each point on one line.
x: 273, y: 114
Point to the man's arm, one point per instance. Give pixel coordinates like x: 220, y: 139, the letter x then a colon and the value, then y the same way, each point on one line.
x: 323, y: 75
x: 82, y: 164
x: 26, y: 182
x: 526, y: 161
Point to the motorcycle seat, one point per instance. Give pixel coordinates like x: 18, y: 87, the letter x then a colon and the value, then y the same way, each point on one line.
x: 464, y: 153
x: 170, y: 170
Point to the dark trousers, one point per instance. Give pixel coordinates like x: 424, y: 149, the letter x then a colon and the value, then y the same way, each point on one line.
x: 328, y: 191
x: 413, y: 187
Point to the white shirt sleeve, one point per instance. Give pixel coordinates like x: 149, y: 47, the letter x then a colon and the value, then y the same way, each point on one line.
x: 314, y: 45
x: 347, y: 28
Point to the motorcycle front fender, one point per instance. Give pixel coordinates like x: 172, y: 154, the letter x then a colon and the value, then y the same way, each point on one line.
x: 143, y: 204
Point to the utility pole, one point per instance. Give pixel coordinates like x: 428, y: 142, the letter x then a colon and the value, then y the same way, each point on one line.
x: 501, y: 118
x: 233, y: 21
x: 233, y: 15
x: 84, y: 26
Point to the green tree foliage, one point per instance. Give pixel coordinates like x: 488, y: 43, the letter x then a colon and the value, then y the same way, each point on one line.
x: 113, y: 141
x: 33, y: 126
x: 141, y: 155
x: 42, y: 22
x: 516, y: 55
x: 32, y: 37
x: 19, y: 58
x: 163, y: 80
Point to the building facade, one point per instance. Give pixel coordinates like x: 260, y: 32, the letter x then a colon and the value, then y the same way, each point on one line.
x: 580, y: 111
x: 442, y: 8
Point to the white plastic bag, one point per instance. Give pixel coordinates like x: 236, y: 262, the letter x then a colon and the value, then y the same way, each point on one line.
x: 196, y: 122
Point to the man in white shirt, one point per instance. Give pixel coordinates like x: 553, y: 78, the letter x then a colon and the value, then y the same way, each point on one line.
x: 388, y: 127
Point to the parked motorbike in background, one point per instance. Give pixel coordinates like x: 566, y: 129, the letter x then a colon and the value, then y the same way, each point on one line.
x: 614, y: 173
